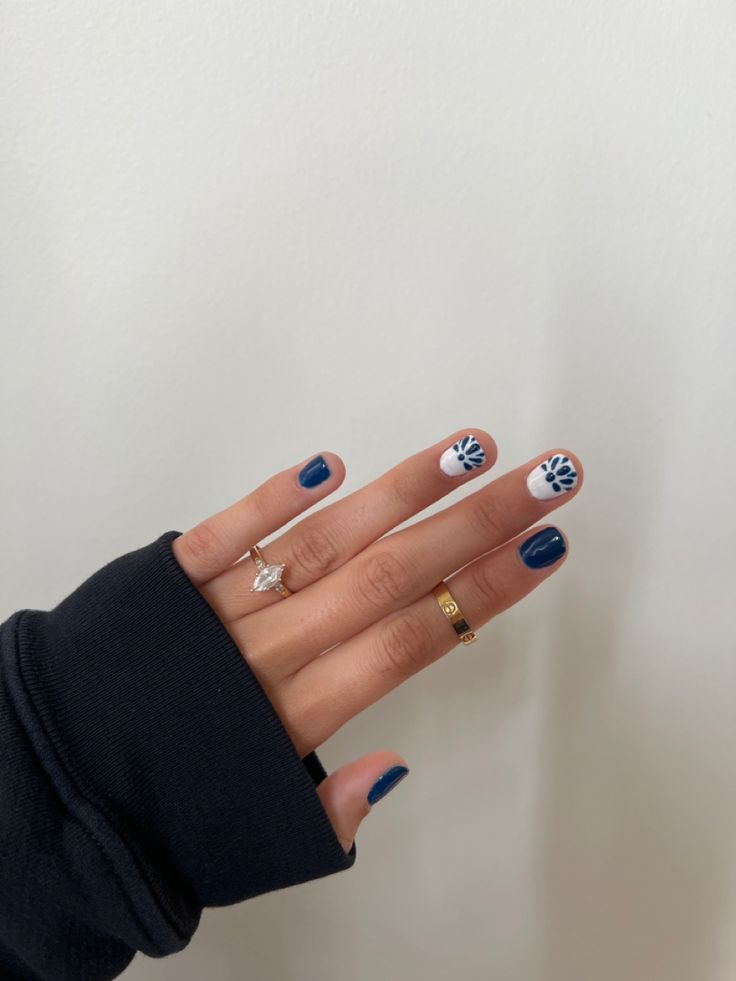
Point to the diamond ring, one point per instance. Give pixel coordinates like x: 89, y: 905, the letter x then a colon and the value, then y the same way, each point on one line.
x: 268, y: 576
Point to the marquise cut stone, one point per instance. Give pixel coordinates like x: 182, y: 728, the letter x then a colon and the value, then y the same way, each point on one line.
x: 268, y: 577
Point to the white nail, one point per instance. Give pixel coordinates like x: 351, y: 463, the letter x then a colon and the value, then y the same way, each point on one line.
x: 466, y: 454
x: 553, y: 477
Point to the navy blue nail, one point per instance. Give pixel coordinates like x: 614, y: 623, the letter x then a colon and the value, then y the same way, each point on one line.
x: 387, y: 782
x: 314, y: 473
x: 542, y: 549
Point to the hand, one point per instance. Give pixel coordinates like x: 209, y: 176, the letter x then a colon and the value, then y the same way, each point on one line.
x: 362, y: 601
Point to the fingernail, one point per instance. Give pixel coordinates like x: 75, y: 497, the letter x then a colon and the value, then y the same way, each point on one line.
x: 314, y: 473
x: 555, y: 476
x: 542, y: 549
x: 386, y: 783
x: 466, y: 454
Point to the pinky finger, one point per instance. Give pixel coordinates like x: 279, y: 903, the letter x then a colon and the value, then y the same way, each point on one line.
x: 211, y: 547
x: 330, y: 690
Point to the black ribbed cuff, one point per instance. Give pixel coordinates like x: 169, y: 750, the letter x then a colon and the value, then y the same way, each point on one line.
x: 164, y: 729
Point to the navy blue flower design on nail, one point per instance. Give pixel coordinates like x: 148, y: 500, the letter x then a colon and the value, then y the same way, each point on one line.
x: 559, y: 473
x: 466, y: 454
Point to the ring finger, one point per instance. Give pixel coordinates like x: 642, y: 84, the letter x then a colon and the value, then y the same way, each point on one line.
x: 324, y: 541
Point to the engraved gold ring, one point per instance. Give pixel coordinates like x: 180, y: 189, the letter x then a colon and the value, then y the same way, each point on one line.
x: 449, y: 607
x: 268, y: 576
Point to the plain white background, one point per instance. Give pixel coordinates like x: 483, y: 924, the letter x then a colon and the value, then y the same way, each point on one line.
x: 236, y: 234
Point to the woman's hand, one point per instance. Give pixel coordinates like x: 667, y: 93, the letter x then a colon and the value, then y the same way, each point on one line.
x: 365, y: 601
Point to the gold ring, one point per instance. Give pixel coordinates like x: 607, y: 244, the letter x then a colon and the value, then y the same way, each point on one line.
x: 268, y: 576
x: 452, y: 611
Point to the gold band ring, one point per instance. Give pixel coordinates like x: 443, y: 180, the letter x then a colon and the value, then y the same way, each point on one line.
x: 452, y: 611
x: 268, y: 576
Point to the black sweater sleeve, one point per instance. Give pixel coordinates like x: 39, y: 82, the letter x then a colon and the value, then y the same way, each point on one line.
x: 144, y: 775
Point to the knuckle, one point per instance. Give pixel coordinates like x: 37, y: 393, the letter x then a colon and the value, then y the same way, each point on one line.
x: 202, y: 548
x: 260, y: 505
x: 383, y: 578
x: 405, y: 644
x: 491, y: 519
x: 404, y: 489
x: 487, y: 586
x: 315, y: 551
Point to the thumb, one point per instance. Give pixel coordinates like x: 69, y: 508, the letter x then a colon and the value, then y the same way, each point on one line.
x: 350, y: 791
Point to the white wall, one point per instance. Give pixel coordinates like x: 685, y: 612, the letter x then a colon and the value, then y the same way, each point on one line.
x: 236, y: 233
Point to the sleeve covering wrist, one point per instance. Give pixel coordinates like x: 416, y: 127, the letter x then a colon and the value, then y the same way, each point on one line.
x: 144, y: 775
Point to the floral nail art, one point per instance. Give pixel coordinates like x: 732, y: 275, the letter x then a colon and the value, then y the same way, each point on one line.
x: 466, y: 454
x: 555, y: 476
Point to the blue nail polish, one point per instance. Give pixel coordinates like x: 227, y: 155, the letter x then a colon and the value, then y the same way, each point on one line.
x: 542, y: 549
x: 387, y: 782
x: 314, y: 473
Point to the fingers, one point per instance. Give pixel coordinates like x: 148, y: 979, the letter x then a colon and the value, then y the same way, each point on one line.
x: 324, y: 541
x: 398, y: 569
x: 330, y: 690
x: 216, y: 542
x: 349, y: 793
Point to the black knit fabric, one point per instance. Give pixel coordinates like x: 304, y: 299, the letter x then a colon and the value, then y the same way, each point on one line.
x: 144, y: 775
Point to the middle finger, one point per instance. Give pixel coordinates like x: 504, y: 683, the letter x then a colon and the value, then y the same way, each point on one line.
x: 401, y: 567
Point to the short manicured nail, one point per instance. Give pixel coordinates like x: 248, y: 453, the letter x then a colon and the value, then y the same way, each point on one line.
x: 314, y: 472
x: 466, y: 454
x: 555, y: 476
x: 386, y: 782
x: 542, y: 549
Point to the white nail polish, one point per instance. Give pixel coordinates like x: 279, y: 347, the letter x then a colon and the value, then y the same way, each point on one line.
x: 466, y: 454
x: 553, y: 477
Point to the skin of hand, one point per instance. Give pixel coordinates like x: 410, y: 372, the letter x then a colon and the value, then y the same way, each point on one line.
x: 362, y: 617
